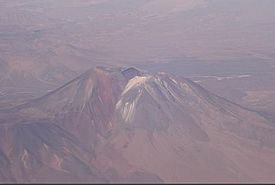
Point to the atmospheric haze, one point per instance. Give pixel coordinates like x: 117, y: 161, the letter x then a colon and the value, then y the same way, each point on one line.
x: 137, y: 91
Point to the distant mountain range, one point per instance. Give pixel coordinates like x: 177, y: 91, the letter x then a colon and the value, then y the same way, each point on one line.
x: 126, y: 125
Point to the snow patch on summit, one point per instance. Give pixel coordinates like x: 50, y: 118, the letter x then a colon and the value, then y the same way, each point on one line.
x: 134, y: 82
x: 127, y: 109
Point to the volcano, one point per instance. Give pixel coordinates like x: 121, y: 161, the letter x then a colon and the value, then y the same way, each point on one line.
x: 126, y: 125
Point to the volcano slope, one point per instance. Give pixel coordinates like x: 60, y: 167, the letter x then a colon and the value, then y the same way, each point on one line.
x: 124, y: 125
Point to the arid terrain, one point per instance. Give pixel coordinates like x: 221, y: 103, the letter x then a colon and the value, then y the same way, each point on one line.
x: 124, y: 125
x: 137, y: 91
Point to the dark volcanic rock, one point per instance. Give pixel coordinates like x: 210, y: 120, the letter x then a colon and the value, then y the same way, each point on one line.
x: 131, y: 72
